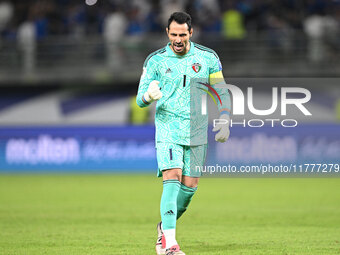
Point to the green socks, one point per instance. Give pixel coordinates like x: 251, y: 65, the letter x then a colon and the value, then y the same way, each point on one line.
x: 169, y: 203
x: 176, y: 198
x: 183, y: 199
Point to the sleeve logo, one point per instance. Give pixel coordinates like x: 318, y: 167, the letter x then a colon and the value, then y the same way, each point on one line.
x: 219, y: 65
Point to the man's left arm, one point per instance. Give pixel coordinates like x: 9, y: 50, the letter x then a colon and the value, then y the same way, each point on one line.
x: 224, y: 104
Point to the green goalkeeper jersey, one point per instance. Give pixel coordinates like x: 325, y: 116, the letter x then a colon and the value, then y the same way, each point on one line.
x: 183, y: 80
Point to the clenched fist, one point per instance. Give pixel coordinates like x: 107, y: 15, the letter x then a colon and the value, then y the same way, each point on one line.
x: 153, y: 93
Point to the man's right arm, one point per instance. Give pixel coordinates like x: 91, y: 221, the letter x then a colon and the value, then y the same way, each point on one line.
x: 148, y: 90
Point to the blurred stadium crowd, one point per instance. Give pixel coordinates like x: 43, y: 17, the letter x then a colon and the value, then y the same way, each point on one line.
x: 136, y: 17
x: 79, y: 39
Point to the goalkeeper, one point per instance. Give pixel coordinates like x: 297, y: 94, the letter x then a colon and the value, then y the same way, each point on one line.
x: 176, y: 76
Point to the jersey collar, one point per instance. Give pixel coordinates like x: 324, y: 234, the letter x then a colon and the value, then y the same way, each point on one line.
x: 170, y: 53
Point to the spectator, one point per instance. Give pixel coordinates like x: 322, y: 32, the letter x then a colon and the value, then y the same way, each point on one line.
x: 135, y: 26
x: 76, y: 20
x: 233, y: 24
x: 114, y: 30
x: 27, y: 45
x: 279, y: 33
x: 6, y: 13
x: 314, y: 29
x: 208, y: 16
x: 170, y: 6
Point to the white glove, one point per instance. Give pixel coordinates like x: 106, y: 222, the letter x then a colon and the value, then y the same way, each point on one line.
x: 153, y: 93
x: 222, y: 125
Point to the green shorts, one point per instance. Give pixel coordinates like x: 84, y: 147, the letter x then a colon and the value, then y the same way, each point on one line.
x: 188, y: 158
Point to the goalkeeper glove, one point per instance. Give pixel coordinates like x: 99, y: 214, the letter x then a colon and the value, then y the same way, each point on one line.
x: 223, y: 128
x: 153, y: 93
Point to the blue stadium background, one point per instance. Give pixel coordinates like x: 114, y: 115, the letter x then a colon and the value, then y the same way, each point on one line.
x: 69, y: 72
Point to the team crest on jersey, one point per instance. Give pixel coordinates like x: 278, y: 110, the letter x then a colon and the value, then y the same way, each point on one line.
x: 197, y: 67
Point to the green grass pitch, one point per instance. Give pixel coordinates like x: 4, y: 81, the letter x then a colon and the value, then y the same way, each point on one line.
x: 117, y: 214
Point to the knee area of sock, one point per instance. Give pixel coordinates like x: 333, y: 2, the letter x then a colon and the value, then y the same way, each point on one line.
x: 188, y: 189
x: 192, y: 186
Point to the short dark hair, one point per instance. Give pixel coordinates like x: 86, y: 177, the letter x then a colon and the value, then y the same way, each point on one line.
x: 180, y: 18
